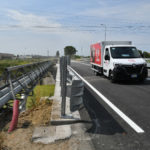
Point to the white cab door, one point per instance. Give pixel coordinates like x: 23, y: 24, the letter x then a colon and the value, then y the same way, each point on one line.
x: 106, y: 62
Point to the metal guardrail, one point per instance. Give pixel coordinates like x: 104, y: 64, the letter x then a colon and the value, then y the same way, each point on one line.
x: 23, y: 83
x: 147, y: 58
x: 148, y: 65
x: 77, y: 87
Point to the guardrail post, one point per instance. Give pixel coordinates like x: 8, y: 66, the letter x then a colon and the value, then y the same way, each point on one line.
x: 68, y: 60
x: 60, y: 65
x: 63, y: 84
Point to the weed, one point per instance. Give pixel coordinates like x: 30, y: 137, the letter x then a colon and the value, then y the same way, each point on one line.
x: 40, y: 91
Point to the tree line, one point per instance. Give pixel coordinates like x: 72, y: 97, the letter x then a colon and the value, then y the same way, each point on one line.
x: 144, y: 54
x: 68, y: 50
x: 71, y: 51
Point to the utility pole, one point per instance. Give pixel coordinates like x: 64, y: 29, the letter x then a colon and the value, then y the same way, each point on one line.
x: 81, y: 51
x: 47, y: 53
x: 105, y: 29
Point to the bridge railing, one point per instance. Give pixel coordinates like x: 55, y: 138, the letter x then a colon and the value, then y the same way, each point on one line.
x: 21, y: 79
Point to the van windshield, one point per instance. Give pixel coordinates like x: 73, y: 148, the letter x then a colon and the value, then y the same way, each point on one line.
x: 124, y: 52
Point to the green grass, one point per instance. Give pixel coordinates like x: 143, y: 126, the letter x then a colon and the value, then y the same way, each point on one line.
x: 8, y: 63
x: 39, y: 91
x: 148, y: 61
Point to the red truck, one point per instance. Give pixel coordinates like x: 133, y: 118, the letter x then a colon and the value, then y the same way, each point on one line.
x: 118, y: 60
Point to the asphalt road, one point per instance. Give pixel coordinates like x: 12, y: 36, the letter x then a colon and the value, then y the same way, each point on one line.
x: 110, y: 131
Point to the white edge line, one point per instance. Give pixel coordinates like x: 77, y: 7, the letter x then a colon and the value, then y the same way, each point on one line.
x: 117, y: 110
x: 83, y: 63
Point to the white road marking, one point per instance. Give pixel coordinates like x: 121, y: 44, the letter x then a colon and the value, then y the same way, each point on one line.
x: 85, y: 64
x: 82, y: 63
x: 117, y: 110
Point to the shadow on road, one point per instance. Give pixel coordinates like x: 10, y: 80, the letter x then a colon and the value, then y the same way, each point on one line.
x: 102, y: 121
x: 133, y: 82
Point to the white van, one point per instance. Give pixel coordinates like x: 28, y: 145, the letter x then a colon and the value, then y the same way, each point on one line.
x: 118, y: 60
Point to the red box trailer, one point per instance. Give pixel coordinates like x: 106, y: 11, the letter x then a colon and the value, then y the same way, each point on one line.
x: 96, y: 54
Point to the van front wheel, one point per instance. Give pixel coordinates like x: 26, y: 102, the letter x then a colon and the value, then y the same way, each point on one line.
x: 111, y: 77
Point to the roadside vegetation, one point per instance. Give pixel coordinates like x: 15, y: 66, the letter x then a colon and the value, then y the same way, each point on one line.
x: 37, y: 114
x: 148, y: 61
x: 39, y: 91
x: 38, y: 110
x: 8, y: 63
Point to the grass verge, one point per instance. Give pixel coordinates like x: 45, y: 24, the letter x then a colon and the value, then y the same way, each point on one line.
x: 38, y: 92
x: 8, y: 63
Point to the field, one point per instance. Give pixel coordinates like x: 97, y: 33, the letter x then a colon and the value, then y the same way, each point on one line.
x: 7, y: 63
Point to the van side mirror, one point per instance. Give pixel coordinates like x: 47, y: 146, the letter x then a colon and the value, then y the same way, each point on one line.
x: 107, y: 57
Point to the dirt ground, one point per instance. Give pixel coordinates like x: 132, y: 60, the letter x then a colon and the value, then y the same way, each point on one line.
x: 20, y: 139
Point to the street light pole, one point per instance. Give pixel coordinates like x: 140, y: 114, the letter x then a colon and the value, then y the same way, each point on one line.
x: 105, y: 29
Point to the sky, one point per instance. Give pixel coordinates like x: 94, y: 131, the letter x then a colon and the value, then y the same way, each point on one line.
x: 39, y: 27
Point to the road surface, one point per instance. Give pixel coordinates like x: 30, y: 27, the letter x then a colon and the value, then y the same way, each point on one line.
x: 111, y: 131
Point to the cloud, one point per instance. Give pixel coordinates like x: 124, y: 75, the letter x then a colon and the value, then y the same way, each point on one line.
x: 135, y: 12
x: 28, y: 20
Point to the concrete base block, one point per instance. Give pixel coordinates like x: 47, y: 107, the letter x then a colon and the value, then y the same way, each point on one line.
x: 44, y: 135
x: 57, y: 119
x: 47, y: 135
x: 63, y: 132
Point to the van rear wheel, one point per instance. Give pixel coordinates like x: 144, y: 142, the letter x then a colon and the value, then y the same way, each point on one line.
x: 96, y: 73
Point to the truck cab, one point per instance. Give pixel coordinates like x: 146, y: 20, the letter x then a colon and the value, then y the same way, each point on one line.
x: 121, y: 62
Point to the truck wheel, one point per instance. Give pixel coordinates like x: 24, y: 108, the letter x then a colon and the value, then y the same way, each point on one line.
x: 111, y: 77
x: 96, y: 73
x: 101, y: 72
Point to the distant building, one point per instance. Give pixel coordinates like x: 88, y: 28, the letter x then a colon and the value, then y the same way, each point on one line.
x: 6, y: 56
x: 24, y: 57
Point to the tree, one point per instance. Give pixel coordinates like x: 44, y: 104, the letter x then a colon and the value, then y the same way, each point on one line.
x: 146, y: 54
x: 70, y: 50
x: 57, y: 54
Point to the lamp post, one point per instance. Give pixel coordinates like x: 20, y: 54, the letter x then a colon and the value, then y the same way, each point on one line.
x: 105, y: 29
